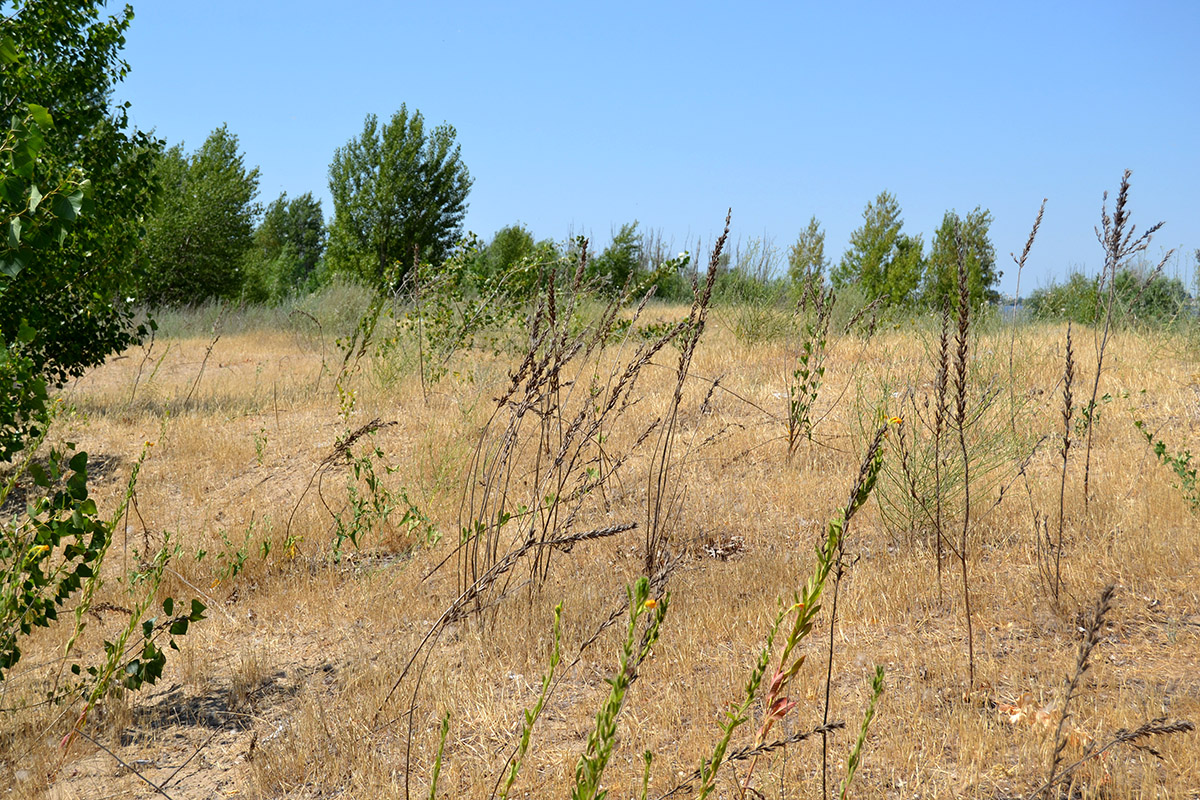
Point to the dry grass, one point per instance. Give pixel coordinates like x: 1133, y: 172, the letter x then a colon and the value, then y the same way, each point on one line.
x: 281, y: 691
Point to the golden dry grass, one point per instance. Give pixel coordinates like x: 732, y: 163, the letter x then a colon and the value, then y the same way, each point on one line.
x: 277, y: 693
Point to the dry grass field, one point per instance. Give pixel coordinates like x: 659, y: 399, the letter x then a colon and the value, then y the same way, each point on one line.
x: 286, y: 688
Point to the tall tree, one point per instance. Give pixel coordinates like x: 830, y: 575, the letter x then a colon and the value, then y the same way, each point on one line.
x: 396, y: 188
x: 618, y: 263
x: 199, y: 235
x: 64, y: 55
x: 880, y: 259
x: 806, y: 258
x: 288, y: 245
x: 941, y: 277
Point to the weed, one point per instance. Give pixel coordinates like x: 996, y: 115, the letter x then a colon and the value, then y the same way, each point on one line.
x: 1180, y: 464
x: 805, y: 382
x: 634, y: 650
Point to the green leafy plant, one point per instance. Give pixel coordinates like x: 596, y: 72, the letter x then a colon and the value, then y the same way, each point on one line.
x: 805, y: 382
x: 64, y: 55
x: 532, y: 714
x: 802, y: 612
x: 590, y: 768
x: 1179, y: 463
x: 49, y: 553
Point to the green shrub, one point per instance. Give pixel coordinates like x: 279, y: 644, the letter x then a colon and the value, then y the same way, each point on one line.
x: 1151, y: 298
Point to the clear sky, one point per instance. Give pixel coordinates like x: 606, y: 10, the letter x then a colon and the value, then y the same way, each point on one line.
x: 577, y: 117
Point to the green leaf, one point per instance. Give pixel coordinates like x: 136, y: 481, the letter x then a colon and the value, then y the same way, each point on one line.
x: 11, y: 266
x: 67, y: 208
x: 8, y: 51
x: 35, y: 198
x: 40, y: 115
x: 169, y: 606
x: 25, y: 333
x: 14, y: 233
x: 198, y: 610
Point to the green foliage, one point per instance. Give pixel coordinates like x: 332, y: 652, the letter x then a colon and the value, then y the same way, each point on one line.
x: 201, y: 231
x: 618, y: 265
x: 371, y: 503
x: 33, y: 223
x: 856, y: 754
x: 751, y: 276
x: 941, y: 276
x: 1180, y: 464
x: 807, y: 263
x: 47, y: 554
x: 1152, y: 297
x: 58, y: 318
x: 1075, y: 300
x: 881, y: 259
x: 513, y: 260
x: 803, y: 611
x: 288, y: 246
x: 399, y: 191
x: 531, y: 715
x: 456, y: 307
x: 590, y: 769
x: 806, y: 379
x: 63, y: 55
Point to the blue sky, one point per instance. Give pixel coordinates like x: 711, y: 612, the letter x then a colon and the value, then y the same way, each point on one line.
x: 579, y: 117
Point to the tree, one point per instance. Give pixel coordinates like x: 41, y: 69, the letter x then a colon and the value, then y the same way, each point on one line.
x: 510, y: 244
x: 201, y: 232
x: 288, y: 245
x: 618, y: 264
x: 52, y: 553
x: 806, y: 258
x: 396, y: 188
x: 880, y: 259
x: 1141, y: 294
x: 515, y: 261
x: 64, y: 56
x: 941, y: 277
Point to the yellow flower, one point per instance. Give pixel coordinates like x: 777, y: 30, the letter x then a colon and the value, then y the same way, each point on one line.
x: 651, y: 603
x: 895, y: 420
x: 39, y: 551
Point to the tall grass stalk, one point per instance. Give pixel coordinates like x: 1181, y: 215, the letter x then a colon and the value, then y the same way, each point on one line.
x: 1116, y: 237
x: 663, y: 489
x: 960, y: 423
x: 1065, y: 449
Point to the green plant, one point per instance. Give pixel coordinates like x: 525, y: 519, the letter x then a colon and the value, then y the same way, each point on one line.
x: 65, y: 55
x: 34, y: 222
x: 397, y: 190
x: 855, y: 758
x: 1180, y: 464
x: 590, y: 768
x: 288, y: 246
x: 940, y: 283
x: 260, y: 445
x: 452, y: 310
x: 49, y: 554
x: 437, y: 763
x: 806, y: 378
x: 532, y: 715
x: 883, y: 261
x: 203, y: 226
x: 802, y: 611
x: 806, y: 259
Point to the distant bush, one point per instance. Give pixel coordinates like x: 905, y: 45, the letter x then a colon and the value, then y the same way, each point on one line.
x: 1155, y: 299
